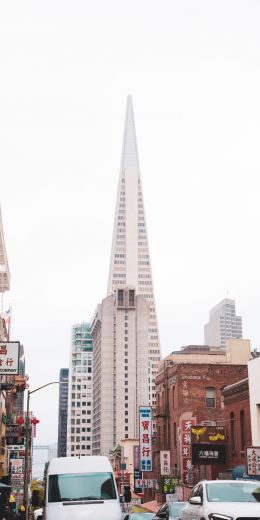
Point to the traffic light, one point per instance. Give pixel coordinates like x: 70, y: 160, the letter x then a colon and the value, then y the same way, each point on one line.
x: 127, y: 494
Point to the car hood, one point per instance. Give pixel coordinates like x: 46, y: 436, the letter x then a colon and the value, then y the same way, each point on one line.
x: 235, y: 508
x: 97, y: 511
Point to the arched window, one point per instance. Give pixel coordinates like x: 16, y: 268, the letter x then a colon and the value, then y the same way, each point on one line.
x: 242, y: 430
x: 232, y: 430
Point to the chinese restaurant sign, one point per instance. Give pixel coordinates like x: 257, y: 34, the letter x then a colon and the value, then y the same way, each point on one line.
x: 186, y: 463
x: 145, y: 422
x: 165, y: 461
x: 9, y: 357
x: 208, y: 444
x: 253, y: 461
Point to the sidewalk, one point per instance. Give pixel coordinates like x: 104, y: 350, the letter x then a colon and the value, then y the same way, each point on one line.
x: 152, y: 506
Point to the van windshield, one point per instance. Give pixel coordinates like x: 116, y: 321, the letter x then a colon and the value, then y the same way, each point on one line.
x: 81, y: 486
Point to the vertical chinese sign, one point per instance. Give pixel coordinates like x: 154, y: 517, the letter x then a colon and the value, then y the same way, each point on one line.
x: 137, y: 472
x: 165, y: 462
x: 186, y: 463
x: 145, y: 431
x: 253, y: 461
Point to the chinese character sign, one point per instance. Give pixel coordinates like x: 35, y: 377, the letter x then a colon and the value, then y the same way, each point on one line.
x: 9, y: 357
x: 145, y: 428
x: 165, y: 462
x: 253, y: 461
x: 186, y: 463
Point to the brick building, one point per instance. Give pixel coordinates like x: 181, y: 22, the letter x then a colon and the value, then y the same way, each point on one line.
x: 238, y: 422
x: 189, y: 392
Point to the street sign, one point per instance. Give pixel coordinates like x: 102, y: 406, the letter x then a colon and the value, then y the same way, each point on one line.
x: 9, y: 357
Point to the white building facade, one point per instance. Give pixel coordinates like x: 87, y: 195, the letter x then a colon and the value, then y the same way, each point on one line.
x: 125, y: 331
x: 254, y: 397
x: 223, y: 324
x: 80, y: 393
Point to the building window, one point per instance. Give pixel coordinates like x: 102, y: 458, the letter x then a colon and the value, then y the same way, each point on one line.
x: 131, y: 298
x: 210, y: 397
x: 120, y: 297
x: 232, y: 430
x: 242, y: 430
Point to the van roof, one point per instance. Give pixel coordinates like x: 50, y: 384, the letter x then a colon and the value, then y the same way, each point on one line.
x: 94, y: 463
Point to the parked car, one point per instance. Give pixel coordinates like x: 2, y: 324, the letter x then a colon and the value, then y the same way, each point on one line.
x: 169, y: 511
x: 223, y: 500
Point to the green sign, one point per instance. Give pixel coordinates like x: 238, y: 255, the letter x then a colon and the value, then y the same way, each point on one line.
x: 168, y: 485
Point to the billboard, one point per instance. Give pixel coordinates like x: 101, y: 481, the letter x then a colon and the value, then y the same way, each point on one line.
x: 208, y: 444
x: 145, y: 432
x: 9, y: 357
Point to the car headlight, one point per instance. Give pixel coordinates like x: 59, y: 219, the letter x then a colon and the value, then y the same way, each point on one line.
x: 217, y: 516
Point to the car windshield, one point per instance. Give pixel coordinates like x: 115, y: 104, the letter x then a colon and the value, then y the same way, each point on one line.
x: 81, y: 486
x: 176, y: 507
x: 233, y: 492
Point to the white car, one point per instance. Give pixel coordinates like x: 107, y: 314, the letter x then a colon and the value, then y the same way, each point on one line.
x: 223, y: 500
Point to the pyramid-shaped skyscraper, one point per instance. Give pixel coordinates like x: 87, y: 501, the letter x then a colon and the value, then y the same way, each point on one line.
x: 130, y: 262
x: 126, y: 348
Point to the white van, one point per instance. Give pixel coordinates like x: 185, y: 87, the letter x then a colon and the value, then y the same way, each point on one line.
x: 81, y: 489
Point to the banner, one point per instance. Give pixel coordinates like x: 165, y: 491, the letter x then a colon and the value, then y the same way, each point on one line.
x: 253, y: 461
x: 9, y: 357
x: 165, y: 462
x: 145, y: 429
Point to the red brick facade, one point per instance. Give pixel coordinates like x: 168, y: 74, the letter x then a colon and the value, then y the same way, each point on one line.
x: 185, y: 391
x: 238, y: 423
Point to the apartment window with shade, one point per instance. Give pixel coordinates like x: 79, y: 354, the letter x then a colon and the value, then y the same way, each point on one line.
x: 174, y: 435
x: 120, y: 297
x: 232, y: 430
x: 242, y: 430
x: 131, y: 298
x: 210, y: 397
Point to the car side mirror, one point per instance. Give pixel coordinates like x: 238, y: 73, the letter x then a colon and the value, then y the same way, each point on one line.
x: 195, y: 500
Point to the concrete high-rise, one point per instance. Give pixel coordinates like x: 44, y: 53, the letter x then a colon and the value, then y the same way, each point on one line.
x: 79, y: 425
x: 124, y: 328
x: 223, y: 324
x: 63, y: 412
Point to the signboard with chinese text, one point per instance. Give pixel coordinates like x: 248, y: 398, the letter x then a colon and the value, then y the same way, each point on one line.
x: 186, y: 462
x: 145, y: 428
x: 203, y: 454
x: 9, y: 357
x: 168, y: 485
x: 253, y: 461
x: 137, y: 480
x: 14, y: 435
x: 165, y: 462
x: 17, y: 466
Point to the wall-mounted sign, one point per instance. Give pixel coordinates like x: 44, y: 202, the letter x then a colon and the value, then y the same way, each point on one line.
x: 204, y: 454
x: 9, y: 357
x: 201, y: 434
x: 165, y: 462
x: 253, y: 461
x: 145, y: 429
x: 14, y: 435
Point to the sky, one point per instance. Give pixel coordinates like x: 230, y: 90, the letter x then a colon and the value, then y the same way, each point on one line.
x: 193, y: 69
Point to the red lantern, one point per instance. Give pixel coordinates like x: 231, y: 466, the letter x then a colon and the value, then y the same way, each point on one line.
x: 20, y: 421
x: 35, y: 421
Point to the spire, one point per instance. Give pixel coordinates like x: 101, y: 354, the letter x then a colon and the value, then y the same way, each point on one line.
x: 129, y: 157
x: 4, y: 269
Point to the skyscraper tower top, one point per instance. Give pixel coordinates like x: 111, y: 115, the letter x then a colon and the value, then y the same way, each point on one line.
x: 4, y: 268
x: 129, y: 150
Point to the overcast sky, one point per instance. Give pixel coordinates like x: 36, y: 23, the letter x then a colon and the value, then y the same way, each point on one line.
x: 193, y: 69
